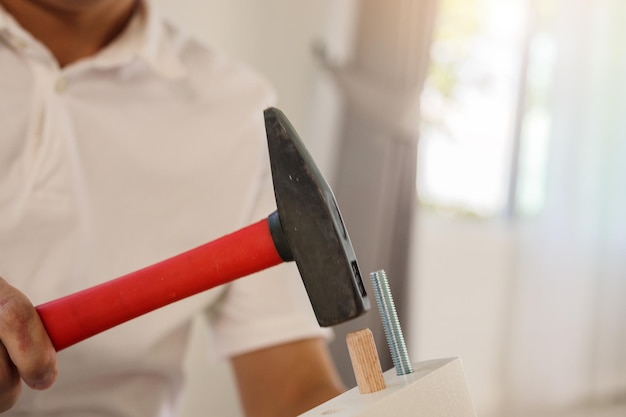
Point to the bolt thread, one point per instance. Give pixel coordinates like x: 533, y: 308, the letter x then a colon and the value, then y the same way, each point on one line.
x: 391, y: 324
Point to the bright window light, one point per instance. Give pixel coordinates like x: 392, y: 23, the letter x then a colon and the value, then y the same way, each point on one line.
x: 469, y: 106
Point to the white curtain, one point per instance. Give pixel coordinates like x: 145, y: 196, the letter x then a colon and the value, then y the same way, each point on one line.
x: 375, y: 168
x: 567, y: 317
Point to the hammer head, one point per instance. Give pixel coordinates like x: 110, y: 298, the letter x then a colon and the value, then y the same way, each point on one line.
x: 309, y: 227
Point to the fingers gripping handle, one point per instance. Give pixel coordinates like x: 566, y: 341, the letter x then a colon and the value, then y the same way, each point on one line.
x: 81, y: 315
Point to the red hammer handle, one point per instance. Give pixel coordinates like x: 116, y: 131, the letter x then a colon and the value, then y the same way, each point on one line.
x: 86, y: 313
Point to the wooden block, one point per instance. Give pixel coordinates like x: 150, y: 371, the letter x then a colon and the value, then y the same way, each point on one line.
x: 436, y: 388
x: 365, y: 361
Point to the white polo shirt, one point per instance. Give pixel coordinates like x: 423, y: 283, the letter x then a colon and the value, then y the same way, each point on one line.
x: 152, y: 147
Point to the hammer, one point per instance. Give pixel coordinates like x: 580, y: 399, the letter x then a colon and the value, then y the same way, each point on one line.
x: 307, y: 227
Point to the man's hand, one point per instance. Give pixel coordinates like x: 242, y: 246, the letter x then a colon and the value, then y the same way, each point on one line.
x: 286, y: 380
x: 26, y: 351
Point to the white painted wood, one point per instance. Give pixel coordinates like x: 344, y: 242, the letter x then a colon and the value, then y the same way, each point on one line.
x: 436, y: 388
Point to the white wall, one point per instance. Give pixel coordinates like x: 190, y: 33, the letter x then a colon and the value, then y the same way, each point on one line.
x: 462, y: 273
x: 534, y: 310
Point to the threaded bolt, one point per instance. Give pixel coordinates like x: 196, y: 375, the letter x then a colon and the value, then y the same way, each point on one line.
x: 389, y: 317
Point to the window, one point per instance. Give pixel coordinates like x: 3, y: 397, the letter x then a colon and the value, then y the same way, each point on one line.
x: 482, y: 97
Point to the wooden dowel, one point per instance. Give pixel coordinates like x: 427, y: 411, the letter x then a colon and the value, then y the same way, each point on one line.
x: 365, y: 361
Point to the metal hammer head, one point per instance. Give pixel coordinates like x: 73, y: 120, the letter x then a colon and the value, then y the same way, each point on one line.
x: 309, y: 229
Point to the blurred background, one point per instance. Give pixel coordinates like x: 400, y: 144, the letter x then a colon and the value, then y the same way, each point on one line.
x: 477, y: 149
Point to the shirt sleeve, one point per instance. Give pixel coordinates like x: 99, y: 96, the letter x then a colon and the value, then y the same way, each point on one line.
x: 263, y: 310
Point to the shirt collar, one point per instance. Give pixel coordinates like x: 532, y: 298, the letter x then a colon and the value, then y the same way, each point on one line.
x: 145, y: 38
x: 159, y: 48
x: 12, y: 33
x: 4, y: 19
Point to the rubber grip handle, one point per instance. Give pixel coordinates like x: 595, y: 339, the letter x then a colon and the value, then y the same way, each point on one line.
x: 78, y: 316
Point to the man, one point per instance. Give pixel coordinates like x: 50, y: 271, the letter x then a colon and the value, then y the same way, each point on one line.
x: 122, y: 143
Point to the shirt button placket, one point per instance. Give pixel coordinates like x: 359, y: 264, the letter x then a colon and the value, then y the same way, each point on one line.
x: 11, y: 39
x: 60, y: 85
x: 21, y: 43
